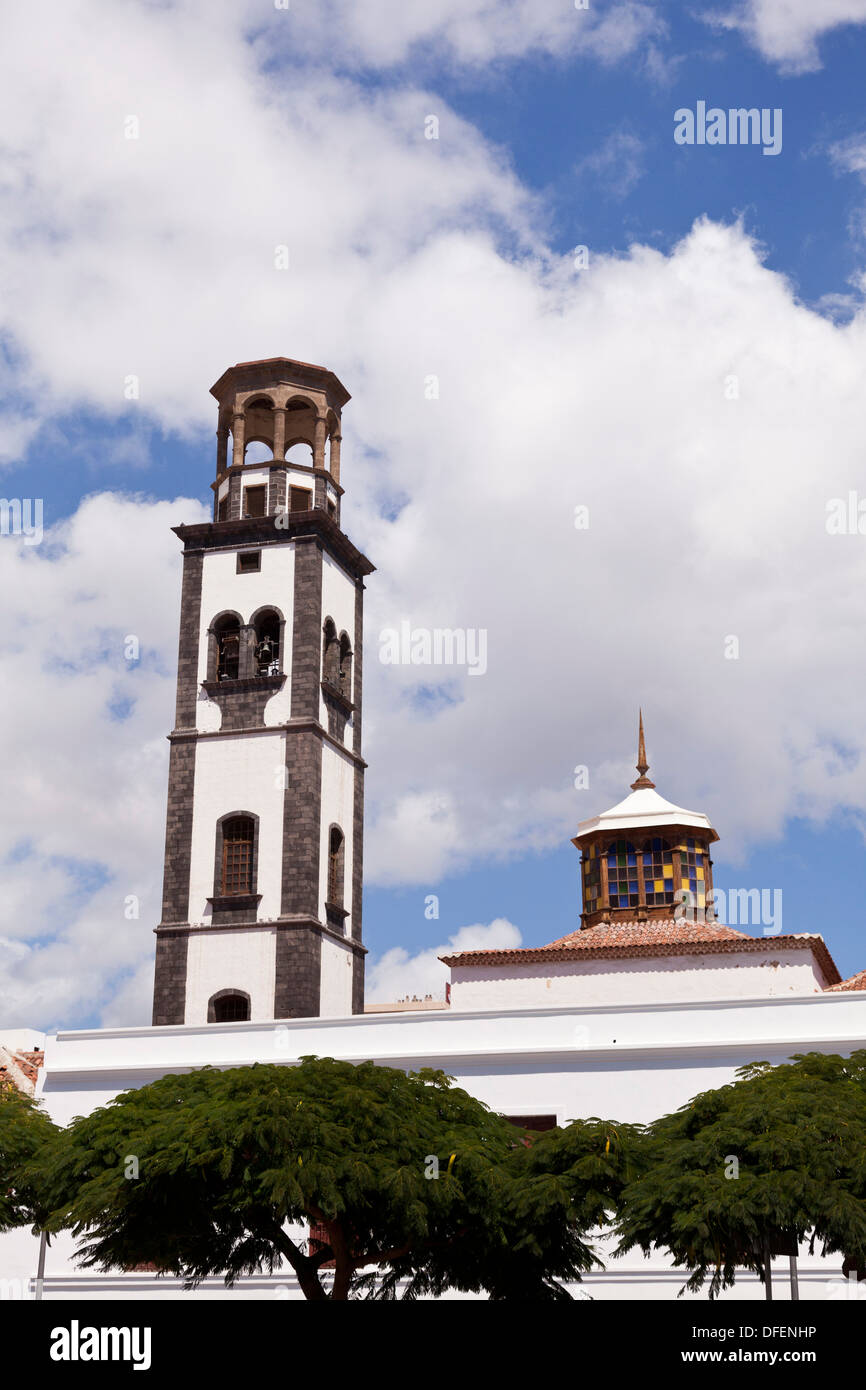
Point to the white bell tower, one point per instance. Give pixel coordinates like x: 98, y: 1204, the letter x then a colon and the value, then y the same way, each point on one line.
x: 261, y: 913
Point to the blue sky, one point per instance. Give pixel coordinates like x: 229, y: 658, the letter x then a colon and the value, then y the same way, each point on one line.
x: 145, y: 259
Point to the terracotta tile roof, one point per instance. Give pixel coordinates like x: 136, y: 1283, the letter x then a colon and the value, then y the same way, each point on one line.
x: 855, y: 982
x: 654, y: 930
x: 20, y: 1069
x: 656, y: 937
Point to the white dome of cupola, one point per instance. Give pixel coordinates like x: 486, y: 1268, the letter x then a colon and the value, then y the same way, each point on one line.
x: 645, y: 857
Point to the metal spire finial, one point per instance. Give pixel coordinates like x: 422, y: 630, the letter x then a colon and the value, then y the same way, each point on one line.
x: 642, y: 764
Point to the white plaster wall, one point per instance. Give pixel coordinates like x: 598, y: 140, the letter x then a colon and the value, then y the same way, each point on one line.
x: 238, y: 774
x: 222, y: 589
x: 338, y: 602
x: 338, y: 782
x: 335, y: 981
x: 243, y: 959
x: 297, y: 479
x: 740, y: 975
x: 633, y: 1062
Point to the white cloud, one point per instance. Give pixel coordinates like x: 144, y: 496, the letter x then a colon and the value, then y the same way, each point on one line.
x: 787, y: 32
x: 849, y: 155
x: 384, y: 33
x: 83, y: 814
x: 617, y: 163
x: 397, y: 975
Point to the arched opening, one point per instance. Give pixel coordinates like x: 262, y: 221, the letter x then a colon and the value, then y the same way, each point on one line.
x: 258, y: 430
x: 267, y: 654
x: 300, y: 452
x: 227, y: 631
x: 238, y: 845
x: 331, y: 654
x: 258, y: 451
x: 345, y: 674
x: 336, y: 861
x: 229, y: 1006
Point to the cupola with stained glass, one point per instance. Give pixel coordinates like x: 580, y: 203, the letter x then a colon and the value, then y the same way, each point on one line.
x: 645, y: 858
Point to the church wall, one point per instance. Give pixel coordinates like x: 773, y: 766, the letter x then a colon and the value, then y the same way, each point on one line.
x: 224, y: 959
x: 335, y: 999
x: 238, y: 774
x: 630, y: 1060
x: 627, y: 1061
x: 735, y: 975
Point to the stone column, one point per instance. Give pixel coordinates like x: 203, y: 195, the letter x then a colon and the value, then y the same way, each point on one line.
x: 280, y: 432
x: 238, y: 427
x: 222, y: 449
x: 319, y: 442
x: 247, y: 653
x: 336, y: 441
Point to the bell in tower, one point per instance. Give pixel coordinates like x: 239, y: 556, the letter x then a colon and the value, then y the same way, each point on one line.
x: 262, y: 895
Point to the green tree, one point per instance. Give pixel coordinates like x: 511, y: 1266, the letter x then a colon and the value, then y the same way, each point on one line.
x: 566, y: 1188
x: 200, y: 1174
x: 25, y: 1130
x: 779, y: 1154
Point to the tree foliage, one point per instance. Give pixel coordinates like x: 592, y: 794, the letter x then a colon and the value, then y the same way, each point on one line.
x: 25, y: 1130
x: 226, y: 1160
x: 778, y: 1154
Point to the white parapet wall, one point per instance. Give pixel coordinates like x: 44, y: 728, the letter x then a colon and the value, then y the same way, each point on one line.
x: 628, y: 1062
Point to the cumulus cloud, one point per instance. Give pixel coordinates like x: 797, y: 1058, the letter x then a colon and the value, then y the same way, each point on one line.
x: 787, y: 32
x: 398, y: 974
x: 386, y: 33
x: 85, y: 756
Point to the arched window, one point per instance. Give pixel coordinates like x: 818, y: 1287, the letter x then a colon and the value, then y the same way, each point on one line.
x: 267, y: 648
x: 345, y: 666
x: 658, y: 872
x: 336, y: 861
x: 228, y: 640
x: 330, y: 654
x: 229, y: 1006
x: 622, y: 879
x: 238, y: 843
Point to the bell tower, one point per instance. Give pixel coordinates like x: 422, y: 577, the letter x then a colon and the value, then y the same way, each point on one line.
x: 261, y: 913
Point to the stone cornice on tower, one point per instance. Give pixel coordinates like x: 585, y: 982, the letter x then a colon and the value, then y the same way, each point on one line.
x: 273, y: 371
x: 263, y: 530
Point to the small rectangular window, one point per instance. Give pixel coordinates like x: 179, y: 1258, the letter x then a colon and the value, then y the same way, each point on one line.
x: 254, y: 501
x: 249, y: 561
x: 223, y: 508
x: 300, y: 499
